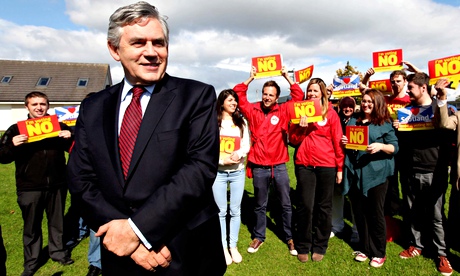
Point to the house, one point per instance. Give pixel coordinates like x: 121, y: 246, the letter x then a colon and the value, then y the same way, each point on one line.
x: 65, y: 83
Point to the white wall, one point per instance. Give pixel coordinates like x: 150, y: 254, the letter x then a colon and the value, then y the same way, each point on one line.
x: 12, y: 113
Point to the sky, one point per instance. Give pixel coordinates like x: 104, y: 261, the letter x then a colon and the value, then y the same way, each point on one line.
x: 214, y: 41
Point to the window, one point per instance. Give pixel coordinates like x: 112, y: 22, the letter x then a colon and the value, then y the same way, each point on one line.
x: 43, y: 81
x: 6, y: 79
x: 82, y: 82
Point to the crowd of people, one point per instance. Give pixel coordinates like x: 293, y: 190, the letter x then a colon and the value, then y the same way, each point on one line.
x: 325, y: 170
x: 150, y: 181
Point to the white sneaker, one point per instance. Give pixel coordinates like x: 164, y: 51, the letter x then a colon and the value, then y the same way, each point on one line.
x: 332, y: 235
x: 236, y: 256
x: 377, y: 262
x: 359, y: 256
x: 228, y: 258
x: 291, y: 247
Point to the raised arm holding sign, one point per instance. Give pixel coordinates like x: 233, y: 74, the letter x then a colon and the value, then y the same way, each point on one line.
x: 304, y: 74
x: 387, y: 60
x: 268, y: 66
x: 448, y: 67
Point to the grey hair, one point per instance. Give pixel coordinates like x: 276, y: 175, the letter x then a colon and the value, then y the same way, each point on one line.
x: 132, y: 13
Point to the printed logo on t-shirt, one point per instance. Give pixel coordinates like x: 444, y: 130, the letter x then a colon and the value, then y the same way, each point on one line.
x: 323, y: 122
x: 274, y: 120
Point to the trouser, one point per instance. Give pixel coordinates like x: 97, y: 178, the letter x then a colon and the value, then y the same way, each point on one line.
x: 94, y: 250
x: 392, y: 201
x: 74, y: 226
x: 315, y: 187
x: 32, y: 205
x: 236, y: 181
x: 262, y: 177
x: 338, y: 200
x: 425, y: 200
x: 338, y: 204
x: 453, y: 222
x: 370, y: 219
x: 2, y: 255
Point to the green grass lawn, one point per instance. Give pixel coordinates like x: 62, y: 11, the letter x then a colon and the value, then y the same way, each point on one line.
x: 272, y: 259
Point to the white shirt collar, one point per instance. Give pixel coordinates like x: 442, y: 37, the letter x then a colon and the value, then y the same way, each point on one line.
x: 127, y: 87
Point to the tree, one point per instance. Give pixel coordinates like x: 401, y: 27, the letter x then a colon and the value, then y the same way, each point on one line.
x: 348, y: 71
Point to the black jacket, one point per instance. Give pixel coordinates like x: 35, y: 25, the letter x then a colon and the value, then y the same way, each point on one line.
x: 40, y: 165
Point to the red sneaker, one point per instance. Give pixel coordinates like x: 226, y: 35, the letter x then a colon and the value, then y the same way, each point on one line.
x: 410, y: 253
x: 444, y: 266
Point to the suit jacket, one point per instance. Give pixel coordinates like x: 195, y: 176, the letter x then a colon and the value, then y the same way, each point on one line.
x: 174, y: 163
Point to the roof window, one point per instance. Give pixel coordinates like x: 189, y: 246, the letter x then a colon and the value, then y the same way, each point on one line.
x: 43, y: 81
x: 82, y: 82
x: 6, y: 79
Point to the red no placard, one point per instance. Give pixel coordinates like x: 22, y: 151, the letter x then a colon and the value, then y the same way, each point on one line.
x: 40, y: 128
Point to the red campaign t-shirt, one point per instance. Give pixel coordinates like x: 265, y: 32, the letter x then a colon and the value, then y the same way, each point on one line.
x: 395, y: 100
x: 395, y: 103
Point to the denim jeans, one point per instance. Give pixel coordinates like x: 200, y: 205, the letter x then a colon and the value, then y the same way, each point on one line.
x: 94, y: 250
x: 263, y: 176
x: 236, y: 181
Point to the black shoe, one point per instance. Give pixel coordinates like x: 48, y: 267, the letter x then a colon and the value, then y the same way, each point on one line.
x: 94, y: 271
x: 27, y: 273
x: 71, y: 244
x: 65, y: 261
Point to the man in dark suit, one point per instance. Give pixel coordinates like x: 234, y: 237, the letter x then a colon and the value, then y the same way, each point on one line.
x: 157, y: 214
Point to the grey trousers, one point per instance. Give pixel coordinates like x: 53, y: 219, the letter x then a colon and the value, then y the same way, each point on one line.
x: 425, y: 198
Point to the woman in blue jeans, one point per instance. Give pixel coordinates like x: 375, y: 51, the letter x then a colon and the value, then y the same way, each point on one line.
x: 234, y: 146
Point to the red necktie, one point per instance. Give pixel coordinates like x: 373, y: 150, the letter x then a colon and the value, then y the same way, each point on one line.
x: 129, y: 128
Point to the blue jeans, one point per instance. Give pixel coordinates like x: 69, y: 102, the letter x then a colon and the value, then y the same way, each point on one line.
x: 263, y: 176
x: 94, y: 250
x: 219, y: 189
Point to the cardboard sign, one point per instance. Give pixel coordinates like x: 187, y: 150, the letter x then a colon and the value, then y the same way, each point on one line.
x: 389, y: 60
x: 267, y: 66
x: 309, y: 108
x: 228, y: 144
x: 304, y: 74
x: 67, y: 114
x: 415, y: 118
x: 358, y: 137
x: 393, y: 110
x: 346, y: 86
x: 448, y: 67
x: 40, y: 128
x: 383, y: 86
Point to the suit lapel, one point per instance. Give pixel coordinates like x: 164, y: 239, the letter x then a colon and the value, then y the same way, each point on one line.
x: 111, y: 108
x: 159, y: 102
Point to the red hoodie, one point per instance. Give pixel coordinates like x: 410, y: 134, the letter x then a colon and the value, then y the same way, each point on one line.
x: 320, y: 142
